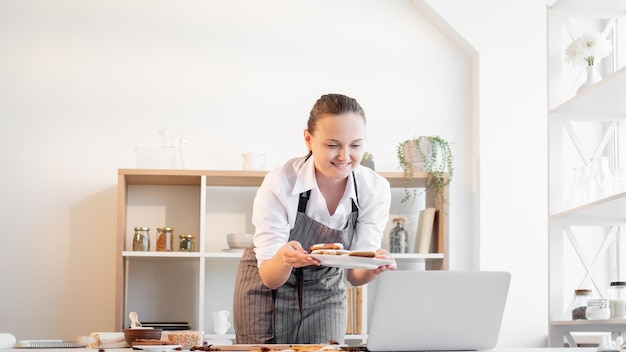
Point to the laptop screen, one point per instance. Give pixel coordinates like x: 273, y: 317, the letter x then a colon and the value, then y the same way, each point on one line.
x: 437, y: 310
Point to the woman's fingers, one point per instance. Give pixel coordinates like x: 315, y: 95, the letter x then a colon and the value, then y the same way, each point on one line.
x: 296, y: 256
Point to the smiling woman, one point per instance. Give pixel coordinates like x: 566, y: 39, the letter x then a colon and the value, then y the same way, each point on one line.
x: 323, y: 197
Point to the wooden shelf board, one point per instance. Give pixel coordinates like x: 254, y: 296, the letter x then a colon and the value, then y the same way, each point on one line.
x: 193, y: 177
x: 154, y: 254
x: 236, y: 178
x: 408, y: 257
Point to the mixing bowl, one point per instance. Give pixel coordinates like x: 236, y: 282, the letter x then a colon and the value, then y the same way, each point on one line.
x: 239, y: 240
x: 141, y: 333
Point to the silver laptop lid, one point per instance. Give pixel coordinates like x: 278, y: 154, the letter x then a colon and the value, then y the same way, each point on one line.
x: 437, y: 310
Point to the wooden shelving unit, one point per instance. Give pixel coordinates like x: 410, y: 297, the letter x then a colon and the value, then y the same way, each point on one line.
x: 180, y: 286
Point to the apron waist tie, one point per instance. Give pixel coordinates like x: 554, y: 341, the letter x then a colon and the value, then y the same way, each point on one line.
x: 300, y: 286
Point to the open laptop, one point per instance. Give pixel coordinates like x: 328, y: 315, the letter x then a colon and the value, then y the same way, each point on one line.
x: 437, y: 310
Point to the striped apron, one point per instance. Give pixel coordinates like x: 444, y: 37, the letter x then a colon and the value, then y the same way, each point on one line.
x: 310, y: 307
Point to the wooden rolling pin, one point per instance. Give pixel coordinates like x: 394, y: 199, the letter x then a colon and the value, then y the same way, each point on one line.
x: 103, y: 340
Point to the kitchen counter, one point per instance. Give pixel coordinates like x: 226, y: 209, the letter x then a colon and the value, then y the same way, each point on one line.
x: 546, y: 349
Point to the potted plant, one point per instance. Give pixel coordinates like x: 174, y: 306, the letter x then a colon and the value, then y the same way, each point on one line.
x: 430, y: 154
x: 368, y: 160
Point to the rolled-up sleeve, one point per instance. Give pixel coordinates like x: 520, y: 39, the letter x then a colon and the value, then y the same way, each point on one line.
x: 270, y: 218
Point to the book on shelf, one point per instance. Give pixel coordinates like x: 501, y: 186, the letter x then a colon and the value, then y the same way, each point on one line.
x: 358, y: 307
x: 355, y: 310
x: 425, y: 226
x: 349, y: 326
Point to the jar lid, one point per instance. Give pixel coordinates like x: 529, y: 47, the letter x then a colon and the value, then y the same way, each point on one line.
x: 618, y: 283
x: 166, y: 229
x: 186, y: 236
x: 139, y: 228
x: 582, y: 291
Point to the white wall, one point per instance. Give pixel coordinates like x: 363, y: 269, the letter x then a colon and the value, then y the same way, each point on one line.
x: 83, y: 83
x: 511, y: 39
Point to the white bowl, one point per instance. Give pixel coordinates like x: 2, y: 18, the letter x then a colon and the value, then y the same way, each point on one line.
x: 239, y: 240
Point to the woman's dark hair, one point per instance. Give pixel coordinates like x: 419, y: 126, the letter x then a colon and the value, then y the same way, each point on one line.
x: 332, y: 104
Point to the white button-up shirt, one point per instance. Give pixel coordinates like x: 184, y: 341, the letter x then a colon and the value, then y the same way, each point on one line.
x: 276, y: 206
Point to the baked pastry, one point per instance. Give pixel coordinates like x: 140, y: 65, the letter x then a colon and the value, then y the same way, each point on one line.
x: 320, y: 246
x: 366, y: 254
x: 330, y: 251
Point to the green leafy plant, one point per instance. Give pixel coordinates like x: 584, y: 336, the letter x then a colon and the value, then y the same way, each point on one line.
x: 368, y: 160
x: 430, y: 154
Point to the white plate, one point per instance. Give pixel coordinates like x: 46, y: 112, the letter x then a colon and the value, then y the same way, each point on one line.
x: 351, y: 262
x: 234, y: 250
x: 156, y: 348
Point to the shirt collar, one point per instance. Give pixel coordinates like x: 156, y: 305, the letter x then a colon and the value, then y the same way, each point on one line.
x: 305, y: 177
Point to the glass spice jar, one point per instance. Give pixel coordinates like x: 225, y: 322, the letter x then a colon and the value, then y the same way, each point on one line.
x: 165, y: 239
x: 141, y: 239
x: 579, y: 307
x: 398, y: 238
x: 187, y: 243
x: 598, y: 309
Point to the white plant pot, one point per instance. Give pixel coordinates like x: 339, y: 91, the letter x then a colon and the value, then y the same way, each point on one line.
x: 413, y: 157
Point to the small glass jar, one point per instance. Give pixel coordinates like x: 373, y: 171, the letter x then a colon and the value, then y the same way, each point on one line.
x: 141, y: 239
x: 579, y: 307
x: 617, y: 299
x: 598, y: 309
x: 187, y: 243
x: 398, y: 238
x: 165, y: 239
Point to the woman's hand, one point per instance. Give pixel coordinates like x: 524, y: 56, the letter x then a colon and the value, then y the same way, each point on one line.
x: 275, y: 271
x: 384, y: 254
x: 295, y: 256
x: 358, y: 277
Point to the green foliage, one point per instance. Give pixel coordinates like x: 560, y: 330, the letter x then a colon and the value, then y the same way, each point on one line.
x: 439, y: 162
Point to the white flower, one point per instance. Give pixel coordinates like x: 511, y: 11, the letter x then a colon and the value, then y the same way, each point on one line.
x: 587, y: 48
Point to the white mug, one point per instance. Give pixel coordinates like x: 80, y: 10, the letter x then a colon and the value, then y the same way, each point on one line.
x: 253, y: 161
x: 220, y: 322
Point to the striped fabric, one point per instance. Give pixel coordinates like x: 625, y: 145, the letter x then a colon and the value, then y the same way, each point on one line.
x: 316, y: 315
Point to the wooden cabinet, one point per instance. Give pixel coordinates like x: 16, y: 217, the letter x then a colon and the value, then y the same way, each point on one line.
x: 188, y: 286
x: 584, y: 239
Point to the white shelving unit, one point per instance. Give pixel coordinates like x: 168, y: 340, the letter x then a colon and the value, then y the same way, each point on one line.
x: 584, y: 241
x: 188, y: 287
